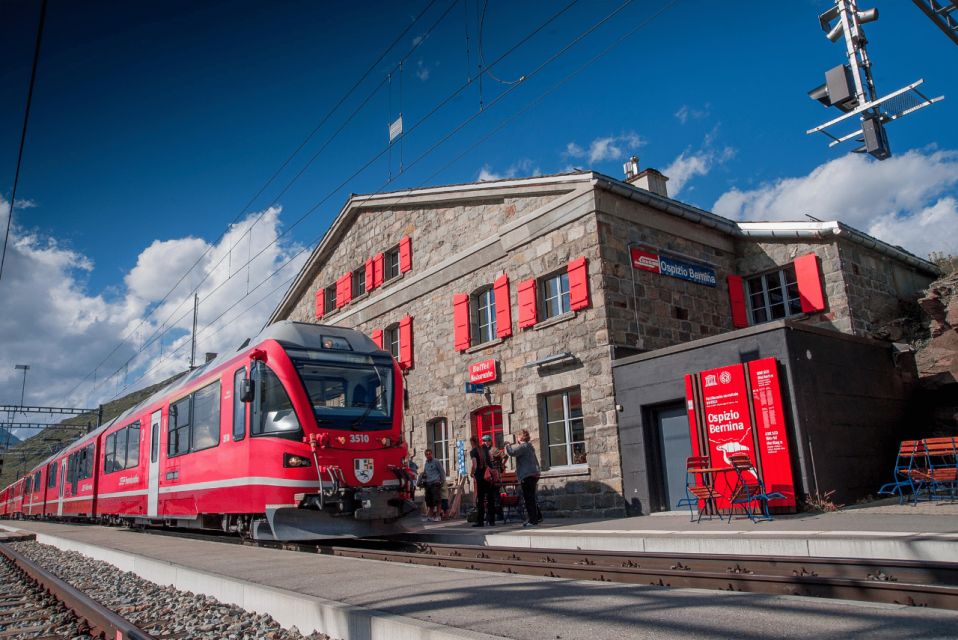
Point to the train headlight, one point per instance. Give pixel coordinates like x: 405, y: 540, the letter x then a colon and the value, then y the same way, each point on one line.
x: 293, y: 461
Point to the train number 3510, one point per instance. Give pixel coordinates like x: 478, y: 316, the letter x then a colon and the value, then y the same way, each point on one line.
x: 359, y: 437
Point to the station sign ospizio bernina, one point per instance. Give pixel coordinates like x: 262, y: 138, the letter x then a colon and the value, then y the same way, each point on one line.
x: 656, y: 263
x: 483, y: 372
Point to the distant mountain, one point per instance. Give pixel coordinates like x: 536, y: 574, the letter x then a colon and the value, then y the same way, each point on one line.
x: 4, y: 442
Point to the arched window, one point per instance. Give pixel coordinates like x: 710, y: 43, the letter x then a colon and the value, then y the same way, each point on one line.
x: 437, y: 439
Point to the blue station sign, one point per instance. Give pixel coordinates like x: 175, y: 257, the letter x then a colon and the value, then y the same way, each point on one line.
x: 649, y: 261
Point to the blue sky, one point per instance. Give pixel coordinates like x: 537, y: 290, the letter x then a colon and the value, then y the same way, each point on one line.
x: 154, y: 123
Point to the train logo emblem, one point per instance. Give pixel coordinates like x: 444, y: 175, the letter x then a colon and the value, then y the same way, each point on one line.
x: 363, y: 468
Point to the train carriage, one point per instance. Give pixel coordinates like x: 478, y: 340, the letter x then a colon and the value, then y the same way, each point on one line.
x: 296, y: 436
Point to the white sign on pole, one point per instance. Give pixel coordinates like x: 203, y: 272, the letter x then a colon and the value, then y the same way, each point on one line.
x: 395, y: 128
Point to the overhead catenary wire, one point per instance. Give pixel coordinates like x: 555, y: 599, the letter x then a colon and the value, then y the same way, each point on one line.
x: 498, y: 128
x: 259, y: 192
x: 23, y: 131
x: 372, y: 160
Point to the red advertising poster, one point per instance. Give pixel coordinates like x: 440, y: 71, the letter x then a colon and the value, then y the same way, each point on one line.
x: 772, y: 435
x: 727, y: 423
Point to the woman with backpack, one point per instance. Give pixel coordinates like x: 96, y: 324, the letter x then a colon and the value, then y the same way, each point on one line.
x: 527, y: 469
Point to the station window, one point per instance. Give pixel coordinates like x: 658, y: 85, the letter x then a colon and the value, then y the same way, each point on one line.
x: 564, y: 428
x: 773, y: 295
x: 391, y: 340
x: 554, y: 295
x: 329, y: 299
x: 437, y: 439
x: 483, y: 314
x: 194, y: 422
x: 359, y: 282
x: 391, y: 264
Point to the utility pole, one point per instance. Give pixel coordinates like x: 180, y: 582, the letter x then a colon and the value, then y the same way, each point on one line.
x: 196, y: 307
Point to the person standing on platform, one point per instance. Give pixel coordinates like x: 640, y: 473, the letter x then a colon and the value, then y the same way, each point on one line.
x: 435, y: 477
x: 485, y: 505
x: 527, y: 469
x: 497, y: 462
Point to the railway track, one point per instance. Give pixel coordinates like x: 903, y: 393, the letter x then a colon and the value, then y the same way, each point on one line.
x: 919, y: 584
x: 36, y: 604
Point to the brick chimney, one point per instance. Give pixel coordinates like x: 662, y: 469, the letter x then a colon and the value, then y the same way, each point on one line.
x: 648, y: 179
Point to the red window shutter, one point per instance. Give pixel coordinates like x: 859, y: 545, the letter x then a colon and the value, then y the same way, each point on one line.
x: 347, y: 288
x: 460, y: 320
x: 527, y: 304
x: 736, y: 298
x: 378, y: 337
x: 405, y: 255
x: 379, y: 269
x: 405, y: 343
x: 578, y: 284
x: 503, y: 311
x: 320, y: 303
x: 370, y: 279
x: 809, y: 283
x: 342, y: 289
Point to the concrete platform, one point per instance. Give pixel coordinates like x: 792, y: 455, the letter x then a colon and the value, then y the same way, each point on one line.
x: 883, y: 530
x: 365, y: 599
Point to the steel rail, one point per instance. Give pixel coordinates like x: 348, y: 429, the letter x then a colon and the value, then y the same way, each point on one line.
x: 103, y: 622
x: 922, y: 584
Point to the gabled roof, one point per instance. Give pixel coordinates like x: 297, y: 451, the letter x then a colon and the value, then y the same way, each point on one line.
x: 564, y: 182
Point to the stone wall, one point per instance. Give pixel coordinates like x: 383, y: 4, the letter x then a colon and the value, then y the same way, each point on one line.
x: 648, y: 310
x: 436, y: 382
x: 759, y: 257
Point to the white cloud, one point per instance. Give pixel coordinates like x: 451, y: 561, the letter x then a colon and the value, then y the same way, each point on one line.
x: 422, y: 71
x: 52, y: 322
x: 897, y: 200
x: 521, y: 168
x: 685, y: 113
x: 606, y: 148
x: 690, y: 164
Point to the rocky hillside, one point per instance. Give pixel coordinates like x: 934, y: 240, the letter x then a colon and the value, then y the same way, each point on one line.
x: 938, y: 358
x: 25, y: 455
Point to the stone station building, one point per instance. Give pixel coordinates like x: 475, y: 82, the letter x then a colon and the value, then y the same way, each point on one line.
x: 531, y: 288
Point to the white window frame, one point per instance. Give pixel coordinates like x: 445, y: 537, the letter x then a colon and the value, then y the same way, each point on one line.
x: 357, y: 282
x: 566, y: 420
x: 391, y: 267
x: 329, y: 299
x: 554, y: 293
x: 391, y: 340
x: 760, y: 300
x: 483, y: 312
x: 440, y: 447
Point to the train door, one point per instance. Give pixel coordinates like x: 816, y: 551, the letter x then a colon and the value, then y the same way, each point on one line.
x: 153, y: 490
x: 61, y: 484
x: 670, y: 450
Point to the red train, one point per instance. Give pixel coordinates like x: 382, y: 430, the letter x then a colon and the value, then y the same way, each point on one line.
x: 298, y: 436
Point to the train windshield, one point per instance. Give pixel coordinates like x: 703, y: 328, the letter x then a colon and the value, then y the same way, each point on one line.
x: 347, y: 391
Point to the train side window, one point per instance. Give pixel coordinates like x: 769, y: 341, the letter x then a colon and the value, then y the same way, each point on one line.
x: 206, y: 417
x: 51, y: 475
x: 133, y: 446
x: 155, y: 442
x: 109, y: 458
x: 239, y: 407
x: 178, y: 441
x: 273, y: 413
